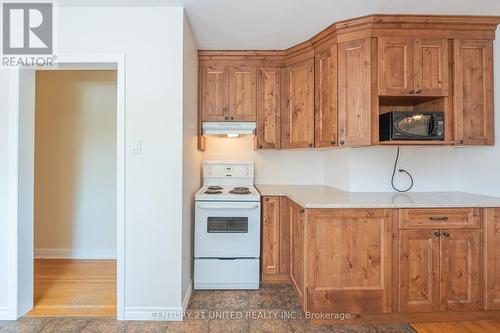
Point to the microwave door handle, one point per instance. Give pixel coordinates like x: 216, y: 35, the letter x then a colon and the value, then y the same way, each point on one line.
x: 432, y: 128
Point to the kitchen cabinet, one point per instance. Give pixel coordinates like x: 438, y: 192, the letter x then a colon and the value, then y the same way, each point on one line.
x: 228, y: 93
x: 473, y: 91
x: 242, y: 93
x: 298, y: 112
x: 413, y: 66
x: 419, y: 271
x: 325, y: 78
x: 354, y: 92
x: 214, y: 88
x: 349, y: 255
x: 297, y: 232
x: 492, y: 258
x: 269, y: 108
x: 440, y: 265
x: 275, y: 240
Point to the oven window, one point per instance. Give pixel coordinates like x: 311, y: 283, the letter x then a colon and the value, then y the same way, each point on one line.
x: 225, y: 225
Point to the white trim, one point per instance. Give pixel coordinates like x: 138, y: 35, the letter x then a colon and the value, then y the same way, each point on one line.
x: 74, y: 254
x: 13, y: 194
x: 68, y: 61
x: 154, y: 314
x: 187, y: 296
x: 4, y: 313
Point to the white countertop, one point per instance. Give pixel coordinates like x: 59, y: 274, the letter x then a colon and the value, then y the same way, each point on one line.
x: 321, y: 196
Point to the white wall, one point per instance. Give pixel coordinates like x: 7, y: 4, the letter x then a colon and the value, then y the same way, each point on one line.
x: 191, y: 157
x: 75, y: 164
x: 479, y: 168
x: 271, y: 166
x: 4, y: 188
x: 151, y: 40
x: 370, y: 169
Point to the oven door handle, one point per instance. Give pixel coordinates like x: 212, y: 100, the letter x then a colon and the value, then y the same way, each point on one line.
x: 219, y: 206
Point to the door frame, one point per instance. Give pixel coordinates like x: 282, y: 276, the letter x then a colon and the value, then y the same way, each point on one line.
x: 66, y: 62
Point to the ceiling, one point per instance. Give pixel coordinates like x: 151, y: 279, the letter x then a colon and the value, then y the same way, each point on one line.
x: 279, y: 24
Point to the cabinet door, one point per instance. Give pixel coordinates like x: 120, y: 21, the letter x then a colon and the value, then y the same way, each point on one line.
x: 269, y: 108
x: 460, y: 270
x: 297, y: 247
x: 284, y: 265
x: 243, y: 93
x: 326, y: 98
x: 492, y: 255
x: 349, y: 255
x: 419, y: 271
x: 354, y: 93
x: 473, y: 92
x: 298, y: 117
x: 214, y: 93
x: 431, y: 67
x: 270, y: 235
x: 395, y: 66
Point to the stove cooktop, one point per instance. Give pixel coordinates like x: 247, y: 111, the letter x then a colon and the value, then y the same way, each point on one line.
x: 228, y: 193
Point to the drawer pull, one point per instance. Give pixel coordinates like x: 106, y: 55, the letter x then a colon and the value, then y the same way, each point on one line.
x: 446, y: 234
x: 438, y: 218
x: 437, y: 234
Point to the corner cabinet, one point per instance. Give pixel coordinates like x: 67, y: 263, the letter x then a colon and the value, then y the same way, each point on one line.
x: 298, y: 115
x: 269, y: 108
x: 354, y: 92
x: 473, y: 91
x: 228, y: 93
x: 349, y: 256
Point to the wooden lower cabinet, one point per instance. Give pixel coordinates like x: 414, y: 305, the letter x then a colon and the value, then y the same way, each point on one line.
x: 297, y: 246
x: 275, y: 240
x: 349, y: 257
x: 492, y: 258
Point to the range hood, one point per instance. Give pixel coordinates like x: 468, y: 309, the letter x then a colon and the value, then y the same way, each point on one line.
x: 229, y: 128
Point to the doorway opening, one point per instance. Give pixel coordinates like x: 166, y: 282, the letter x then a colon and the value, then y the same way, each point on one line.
x: 75, y: 178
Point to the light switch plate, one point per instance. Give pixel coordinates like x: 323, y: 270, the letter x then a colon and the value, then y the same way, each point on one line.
x: 136, y: 146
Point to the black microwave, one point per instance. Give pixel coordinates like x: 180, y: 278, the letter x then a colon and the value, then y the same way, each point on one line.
x: 411, y: 125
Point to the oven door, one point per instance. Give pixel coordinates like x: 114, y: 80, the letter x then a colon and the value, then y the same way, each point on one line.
x: 227, y: 230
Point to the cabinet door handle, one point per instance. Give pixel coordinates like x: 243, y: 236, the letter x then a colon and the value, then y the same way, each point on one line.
x: 231, y: 118
x: 310, y: 145
x: 437, y: 234
x: 438, y: 218
x: 446, y: 234
x: 342, y: 142
x: 412, y: 91
x: 332, y: 143
x: 226, y: 118
x: 419, y: 91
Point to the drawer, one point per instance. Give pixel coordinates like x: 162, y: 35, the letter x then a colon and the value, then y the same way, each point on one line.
x: 439, y: 218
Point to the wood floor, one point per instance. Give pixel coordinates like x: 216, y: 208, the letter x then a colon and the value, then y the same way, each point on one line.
x: 482, y: 326
x: 74, y: 288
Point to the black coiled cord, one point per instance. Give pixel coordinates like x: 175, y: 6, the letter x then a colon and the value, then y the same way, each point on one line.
x: 400, y: 170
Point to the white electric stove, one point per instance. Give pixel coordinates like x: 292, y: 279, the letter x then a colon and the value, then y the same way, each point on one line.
x: 227, y: 227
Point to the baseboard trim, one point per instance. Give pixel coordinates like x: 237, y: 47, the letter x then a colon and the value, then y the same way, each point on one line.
x: 187, y: 296
x: 154, y: 314
x: 4, y: 313
x: 74, y: 254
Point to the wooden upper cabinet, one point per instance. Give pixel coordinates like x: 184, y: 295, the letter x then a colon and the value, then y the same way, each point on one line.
x: 395, y: 66
x: 243, y: 93
x: 270, y: 235
x: 298, y: 112
x: 431, y: 67
x: 354, y: 92
x: 419, y: 271
x: 296, y: 216
x: 460, y: 270
x: 473, y: 92
x: 214, y: 93
x: 413, y: 66
x: 326, y: 98
x: 349, y: 255
x: 269, y: 108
